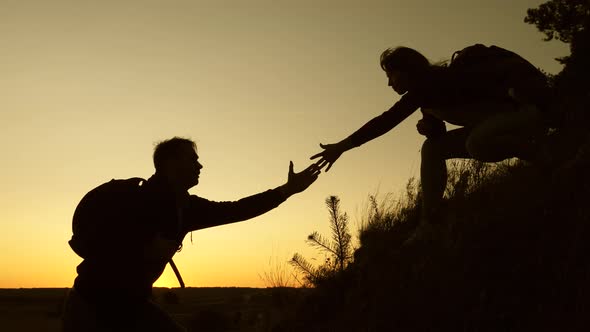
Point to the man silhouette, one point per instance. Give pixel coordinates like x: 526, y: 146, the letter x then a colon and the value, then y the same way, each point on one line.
x: 112, y: 293
x: 499, y: 105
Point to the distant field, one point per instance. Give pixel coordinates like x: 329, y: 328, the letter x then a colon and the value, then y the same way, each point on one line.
x: 204, y: 309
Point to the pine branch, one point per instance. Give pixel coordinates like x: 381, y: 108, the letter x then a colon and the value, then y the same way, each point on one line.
x: 340, y: 234
x: 316, y: 240
x: 305, y: 267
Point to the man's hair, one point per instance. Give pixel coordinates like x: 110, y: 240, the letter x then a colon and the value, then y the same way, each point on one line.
x: 170, y: 149
x: 403, y: 59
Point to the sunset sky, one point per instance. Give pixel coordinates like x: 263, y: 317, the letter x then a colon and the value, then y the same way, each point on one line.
x: 88, y: 87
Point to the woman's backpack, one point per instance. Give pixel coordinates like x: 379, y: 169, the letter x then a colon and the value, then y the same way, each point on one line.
x: 480, y: 55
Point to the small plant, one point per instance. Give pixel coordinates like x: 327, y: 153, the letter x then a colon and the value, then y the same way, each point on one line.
x: 339, y: 248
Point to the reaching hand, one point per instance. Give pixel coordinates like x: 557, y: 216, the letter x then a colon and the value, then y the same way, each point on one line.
x: 298, y: 182
x: 329, y: 156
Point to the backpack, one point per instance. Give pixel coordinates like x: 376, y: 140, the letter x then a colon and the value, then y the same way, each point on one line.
x: 491, y: 72
x: 480, y: 55
x: 102, y: 213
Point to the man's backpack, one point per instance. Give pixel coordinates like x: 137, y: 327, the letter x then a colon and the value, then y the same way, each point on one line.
x: 101, y: 213
x: 104, y: 217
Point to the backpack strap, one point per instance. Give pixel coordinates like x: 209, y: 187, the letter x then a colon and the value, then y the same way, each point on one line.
x: 455, y: 54
x: 176, y: 272
x: 139, y: 182
x: 476, y: 49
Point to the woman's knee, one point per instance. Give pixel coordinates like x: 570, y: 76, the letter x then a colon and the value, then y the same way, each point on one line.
x: 474, y: 146
x: 477, y: 147
x: 447, y: 146
x: 487, y: 149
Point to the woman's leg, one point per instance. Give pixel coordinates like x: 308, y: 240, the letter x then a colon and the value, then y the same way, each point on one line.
x: 433, y: 168
x: 506, y: 135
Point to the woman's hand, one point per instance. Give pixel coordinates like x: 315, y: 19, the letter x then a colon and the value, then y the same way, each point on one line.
x: 329, y: 156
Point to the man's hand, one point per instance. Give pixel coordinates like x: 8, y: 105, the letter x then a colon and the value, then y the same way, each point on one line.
x: 298, y: 182
x: 329, y: 156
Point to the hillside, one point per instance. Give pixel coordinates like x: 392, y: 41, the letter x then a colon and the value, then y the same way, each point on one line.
x: 510, y: 249
x: 510, y: 253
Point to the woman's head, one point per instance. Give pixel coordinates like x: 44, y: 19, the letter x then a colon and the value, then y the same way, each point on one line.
x: 403, y: 65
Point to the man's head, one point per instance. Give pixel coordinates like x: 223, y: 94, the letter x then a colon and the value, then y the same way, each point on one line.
x: 176, y: 160
x: 403, y: 65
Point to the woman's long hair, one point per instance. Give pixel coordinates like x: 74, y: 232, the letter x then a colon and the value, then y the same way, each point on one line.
x: 412, y: 62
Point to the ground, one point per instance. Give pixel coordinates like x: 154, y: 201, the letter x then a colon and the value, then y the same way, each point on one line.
x: 208, y: 309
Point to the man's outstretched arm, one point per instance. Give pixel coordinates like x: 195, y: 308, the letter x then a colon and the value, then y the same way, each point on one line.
x: 371, y: 130
x: 203, y: 213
